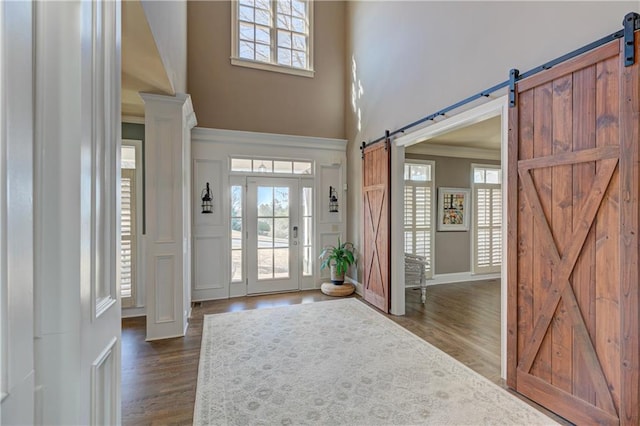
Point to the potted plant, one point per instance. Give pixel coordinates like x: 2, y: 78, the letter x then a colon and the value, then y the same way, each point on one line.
x: 338, y: 258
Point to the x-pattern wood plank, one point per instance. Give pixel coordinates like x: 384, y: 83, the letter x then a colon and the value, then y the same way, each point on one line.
x: 564, y: 265
x: 375, y: 227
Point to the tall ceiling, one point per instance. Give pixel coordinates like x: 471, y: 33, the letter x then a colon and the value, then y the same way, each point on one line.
x: 142, y: 67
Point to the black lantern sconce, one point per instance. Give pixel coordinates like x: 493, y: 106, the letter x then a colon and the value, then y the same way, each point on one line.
x: 333, y: 200
x: 207, y: 200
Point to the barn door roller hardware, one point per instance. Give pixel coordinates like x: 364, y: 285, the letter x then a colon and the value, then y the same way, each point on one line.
x: 631, y: 24
x: 513, y: 77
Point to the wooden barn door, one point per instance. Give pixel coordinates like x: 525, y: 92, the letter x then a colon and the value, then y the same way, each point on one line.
x: 377, y: 241
x: 573, y: 238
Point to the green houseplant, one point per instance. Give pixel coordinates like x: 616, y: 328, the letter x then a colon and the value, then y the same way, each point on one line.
x: 338, y: 258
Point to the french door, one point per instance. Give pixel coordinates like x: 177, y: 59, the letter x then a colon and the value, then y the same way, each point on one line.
x: 272, y: 235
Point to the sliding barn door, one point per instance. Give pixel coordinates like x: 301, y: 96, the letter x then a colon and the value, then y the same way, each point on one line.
x: 377, y: 241
x: 573, y: 238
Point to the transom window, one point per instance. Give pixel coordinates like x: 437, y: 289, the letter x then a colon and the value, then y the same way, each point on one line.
x: 273, y: 35
x: 269, y: 166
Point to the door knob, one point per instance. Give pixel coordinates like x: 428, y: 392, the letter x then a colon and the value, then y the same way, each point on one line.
x: 295, y: 232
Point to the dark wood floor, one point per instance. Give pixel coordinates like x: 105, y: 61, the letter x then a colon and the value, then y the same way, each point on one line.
x: 159, y: 378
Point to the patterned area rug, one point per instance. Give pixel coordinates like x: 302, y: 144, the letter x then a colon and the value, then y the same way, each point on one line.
x: 338, y: 363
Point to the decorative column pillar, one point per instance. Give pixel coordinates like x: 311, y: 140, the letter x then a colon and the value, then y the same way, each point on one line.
x: 168, y: 121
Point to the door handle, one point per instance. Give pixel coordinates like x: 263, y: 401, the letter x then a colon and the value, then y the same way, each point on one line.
x: 295, y: 232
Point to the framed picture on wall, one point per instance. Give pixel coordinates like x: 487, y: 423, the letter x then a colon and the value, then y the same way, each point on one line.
x: 453, y: 209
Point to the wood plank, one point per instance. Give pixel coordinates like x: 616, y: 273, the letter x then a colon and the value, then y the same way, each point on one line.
x: 512, y: 247
x: 524, y: 284
x: 574, y: 409
x: 629, y: 220
x: 376, y: 225
x: 607, y: 300
x: 570, y: 158
x: 607, y: 51
x: 562, y: 218
x: 563, y: 266
x: 542, y: 275
x: 583, y: 276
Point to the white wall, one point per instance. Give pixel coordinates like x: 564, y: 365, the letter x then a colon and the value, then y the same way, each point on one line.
x: 211, y: 153
x: 168, y: 22
x: 414, y: 58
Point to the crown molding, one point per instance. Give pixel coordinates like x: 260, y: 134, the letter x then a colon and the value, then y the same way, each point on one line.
x: 202, y: 134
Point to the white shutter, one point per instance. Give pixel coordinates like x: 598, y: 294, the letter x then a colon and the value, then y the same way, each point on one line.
x: 418, y: 199
x: 128, y: 238
x: 488, y: 228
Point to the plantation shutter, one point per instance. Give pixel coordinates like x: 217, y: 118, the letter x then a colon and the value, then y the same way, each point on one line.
x: 488, y: 228
x: 417, y: 220
x: 128, y: 238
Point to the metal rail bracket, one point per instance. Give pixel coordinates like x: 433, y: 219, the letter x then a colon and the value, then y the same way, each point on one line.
x: 631, y: 23
x: 513, y: 77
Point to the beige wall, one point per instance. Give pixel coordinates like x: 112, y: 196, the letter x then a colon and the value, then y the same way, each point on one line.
x: 452, y: 250
x: 238, y: 98
x: 413, y: 58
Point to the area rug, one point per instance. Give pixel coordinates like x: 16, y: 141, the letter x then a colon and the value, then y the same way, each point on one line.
x: 338, y: 363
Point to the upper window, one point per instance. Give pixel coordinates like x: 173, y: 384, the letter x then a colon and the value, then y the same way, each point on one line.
x: 274, y: 35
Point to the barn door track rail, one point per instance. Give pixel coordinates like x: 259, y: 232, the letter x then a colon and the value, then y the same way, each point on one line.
x: 631, y: 24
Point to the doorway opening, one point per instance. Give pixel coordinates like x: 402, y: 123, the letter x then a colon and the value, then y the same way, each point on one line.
x: 462, y: 214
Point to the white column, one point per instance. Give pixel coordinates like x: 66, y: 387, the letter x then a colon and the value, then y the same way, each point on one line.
x: 17, y: 374
x: 168, y: 120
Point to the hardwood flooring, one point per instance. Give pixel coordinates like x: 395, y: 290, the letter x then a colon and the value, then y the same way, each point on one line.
x: 159, y: 378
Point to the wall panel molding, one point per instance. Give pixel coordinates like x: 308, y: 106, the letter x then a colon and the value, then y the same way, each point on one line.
x: 104, y: 385
x: 210, y: 272
x: 164, y: 274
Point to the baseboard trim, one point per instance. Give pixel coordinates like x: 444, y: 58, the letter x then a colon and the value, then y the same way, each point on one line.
x: 459, y: 277
x: 356, y: 283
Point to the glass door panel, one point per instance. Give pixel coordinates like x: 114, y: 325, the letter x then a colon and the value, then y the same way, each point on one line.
x: 272, y: 219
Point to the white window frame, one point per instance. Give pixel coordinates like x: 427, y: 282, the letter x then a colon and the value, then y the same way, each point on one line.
x: 269, y: 172
x: 475, y: 269
x: 432, y: 185
x: 271, y: 66
x: 139, y: 267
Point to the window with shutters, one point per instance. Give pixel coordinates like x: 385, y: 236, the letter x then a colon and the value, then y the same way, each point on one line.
x: 418, y: 209
x: 487, y: 223
x: 129, y: 219
x: 274, y: 35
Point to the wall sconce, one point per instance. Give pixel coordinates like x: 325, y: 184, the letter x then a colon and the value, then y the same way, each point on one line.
x: 333, y: 200
x: 207, y: 201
